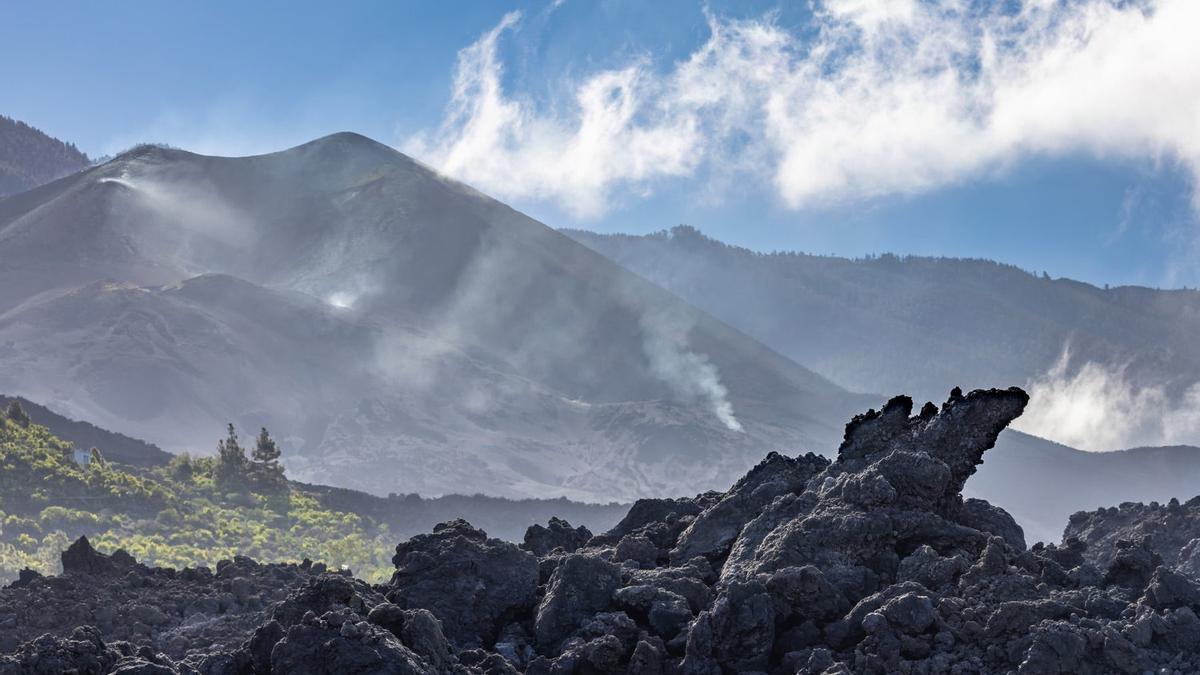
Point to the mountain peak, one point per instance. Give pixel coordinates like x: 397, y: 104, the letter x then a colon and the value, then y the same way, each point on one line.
x: 345, y: 137
x: 155, y: 151
x: 346, y: 143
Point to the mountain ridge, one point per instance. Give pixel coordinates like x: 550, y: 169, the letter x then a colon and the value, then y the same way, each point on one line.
x: 960, y: 322
x: 29, y: 157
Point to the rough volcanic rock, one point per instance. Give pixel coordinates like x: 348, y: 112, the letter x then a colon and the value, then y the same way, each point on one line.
x: 465, y: 579
x: 661, y: 519
x: 581, y: 587
x: 342, y: 642
x: 557, y: 534
x: 323, y: 593
x: 1168, y: 529
x: 870, y: 564
x: 714, y: 529
x: 81, y: 558
x: 83, y: 652
x: 167, y: 610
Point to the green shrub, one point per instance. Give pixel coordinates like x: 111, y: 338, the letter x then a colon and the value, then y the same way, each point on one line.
x: 170, y: 516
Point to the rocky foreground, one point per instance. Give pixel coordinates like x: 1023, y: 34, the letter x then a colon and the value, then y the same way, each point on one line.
x: 872, y: 563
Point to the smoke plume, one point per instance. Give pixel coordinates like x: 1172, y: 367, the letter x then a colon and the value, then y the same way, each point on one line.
x: 690, y: 375
x: 1099, y: 407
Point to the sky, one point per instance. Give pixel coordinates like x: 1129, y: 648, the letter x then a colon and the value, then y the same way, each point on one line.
x: 1058, y: 135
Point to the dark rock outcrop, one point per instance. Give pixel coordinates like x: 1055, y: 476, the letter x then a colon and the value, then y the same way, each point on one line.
x: 714, y: 530
x: 468, y: 581
x: 1171, y: 530
x: 81, y: 558
x: 873, y: 563
x: 557, y: 534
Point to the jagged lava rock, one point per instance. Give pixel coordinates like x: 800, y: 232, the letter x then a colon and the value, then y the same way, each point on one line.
x: 871, y: 563
x: 465, y: 579
x: 556, y: 534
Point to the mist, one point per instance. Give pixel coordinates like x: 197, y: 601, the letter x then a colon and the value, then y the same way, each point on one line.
x: 1099, y: 407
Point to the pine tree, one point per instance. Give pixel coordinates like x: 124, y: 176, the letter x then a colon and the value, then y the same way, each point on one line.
x: 17, y: 413
x: 231, y: 461
x: 265, y: 450
x: 266, y: 462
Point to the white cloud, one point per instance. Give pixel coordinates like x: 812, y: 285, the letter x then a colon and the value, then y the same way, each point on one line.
x: 504, y: 146
x: 887, y: 97
x: 1098, y: 408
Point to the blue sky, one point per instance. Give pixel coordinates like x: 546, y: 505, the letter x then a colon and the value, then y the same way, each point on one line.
x: 1062, y: 137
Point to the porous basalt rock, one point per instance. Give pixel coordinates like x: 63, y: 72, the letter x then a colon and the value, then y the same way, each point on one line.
x: 714, y: 529
x: 168, y: 611
x: 872, y: 563
x: 556, y: 535
x: 468, y: 581
x: 1171, y: 530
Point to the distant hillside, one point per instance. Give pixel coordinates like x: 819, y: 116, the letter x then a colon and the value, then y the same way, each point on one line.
x: 29, y: 158
x: 1042, y: 483
x: 85, y: 435
x: 186, y: 513
x: 921, y: 325
x: 412, y: 514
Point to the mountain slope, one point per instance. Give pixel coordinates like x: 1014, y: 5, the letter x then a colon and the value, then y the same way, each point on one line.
x: 1042, y: 483
x: 167, y: 513
x: 403, y: 332
x: 29, y: 158
x: 81, y: 435
x: 921, y: 325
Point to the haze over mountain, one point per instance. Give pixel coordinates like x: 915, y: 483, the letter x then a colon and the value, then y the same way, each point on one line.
x: 400, y: 331
x: 29, y: 157
x: 1041, y: 483
x: 1108, y: 368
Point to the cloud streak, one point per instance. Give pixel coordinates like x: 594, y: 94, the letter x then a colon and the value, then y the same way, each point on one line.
x: 880, y: 97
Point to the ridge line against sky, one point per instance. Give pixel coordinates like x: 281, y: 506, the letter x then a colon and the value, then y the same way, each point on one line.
x: 1060, y: 135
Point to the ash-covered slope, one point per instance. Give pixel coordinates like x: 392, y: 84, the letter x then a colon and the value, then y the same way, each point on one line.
x: 872, y: 563
x: 402, y: 332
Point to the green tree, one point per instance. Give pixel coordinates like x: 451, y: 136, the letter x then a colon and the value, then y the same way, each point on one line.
x: 266, y: 462
x: 231, y: 461
x: 265, y: 449
x: 17, y: 413
x: 181, y: 468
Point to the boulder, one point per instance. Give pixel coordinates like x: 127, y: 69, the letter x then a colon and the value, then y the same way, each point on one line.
x: 556, y: 535
x: 580, y: 587
x: 468, y: 581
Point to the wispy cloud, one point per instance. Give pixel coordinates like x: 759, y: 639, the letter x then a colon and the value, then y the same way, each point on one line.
x: 880, y: 97
x: 609, y: 137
